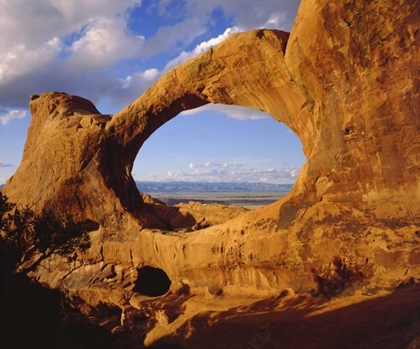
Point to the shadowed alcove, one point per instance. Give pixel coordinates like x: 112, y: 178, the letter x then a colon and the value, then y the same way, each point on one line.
x: 152, y: 282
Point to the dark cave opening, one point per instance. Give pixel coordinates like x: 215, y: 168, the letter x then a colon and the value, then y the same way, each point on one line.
x: 152, y: 282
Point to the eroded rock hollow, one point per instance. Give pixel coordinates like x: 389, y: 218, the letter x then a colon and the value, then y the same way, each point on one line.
x: 345, y: 80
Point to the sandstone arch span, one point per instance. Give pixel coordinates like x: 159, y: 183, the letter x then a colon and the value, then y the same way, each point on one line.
x: 109, y: 146
x: 350, y: 91
x: 345, y: 80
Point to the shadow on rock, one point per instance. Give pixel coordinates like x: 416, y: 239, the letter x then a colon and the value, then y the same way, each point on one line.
x: 388, y: 322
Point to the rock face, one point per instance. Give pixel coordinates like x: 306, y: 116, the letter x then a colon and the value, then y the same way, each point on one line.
x: 349, y: 91
x: 345, y: 80
x: 191, y: 216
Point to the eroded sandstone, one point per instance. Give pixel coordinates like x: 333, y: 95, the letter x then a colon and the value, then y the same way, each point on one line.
x: 345, y: 80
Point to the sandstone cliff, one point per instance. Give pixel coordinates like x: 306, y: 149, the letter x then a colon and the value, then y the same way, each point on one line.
x: 345, y: 80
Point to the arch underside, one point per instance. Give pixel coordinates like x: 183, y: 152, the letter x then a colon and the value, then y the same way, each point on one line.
x: 222, y: 75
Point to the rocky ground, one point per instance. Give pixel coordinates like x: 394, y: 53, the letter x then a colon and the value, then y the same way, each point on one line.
x: 381, y: 319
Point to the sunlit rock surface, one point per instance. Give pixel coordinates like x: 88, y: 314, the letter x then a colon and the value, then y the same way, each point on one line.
x: 345, y: 80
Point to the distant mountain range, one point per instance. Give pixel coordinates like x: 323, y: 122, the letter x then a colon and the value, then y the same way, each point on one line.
x: 171, y: 187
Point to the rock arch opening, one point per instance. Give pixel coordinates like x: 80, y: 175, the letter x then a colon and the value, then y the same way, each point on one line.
x: 152, y: 282
x: 240, y: 145
x: 99, y: 180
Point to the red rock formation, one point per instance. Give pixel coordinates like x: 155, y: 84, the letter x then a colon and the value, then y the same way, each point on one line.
x: 349, y: 91
x: 346, y: 81
x: 104, y: 156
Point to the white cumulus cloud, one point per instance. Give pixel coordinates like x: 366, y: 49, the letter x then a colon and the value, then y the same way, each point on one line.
x: 176, y: 36
x: 73, y: 45
x: 228, y: 174
x: 44, y: 35
x: 200, y: 48
x: 20, y: 61
x: 140, y: 80
x: 11, y: 115
x: 125, y: 90
x: 247, y: 14
x: 104, y: 42
x: 233, y: 171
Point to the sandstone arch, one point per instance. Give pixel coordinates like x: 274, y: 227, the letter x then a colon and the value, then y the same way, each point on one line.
x: 111, y: 144
x: 349, y: 91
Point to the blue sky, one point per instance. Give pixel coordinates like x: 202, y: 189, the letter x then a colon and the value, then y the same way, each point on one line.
x: 111, y: 51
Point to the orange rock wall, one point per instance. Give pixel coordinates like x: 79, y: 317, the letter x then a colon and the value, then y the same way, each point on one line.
x: 346, y: 81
